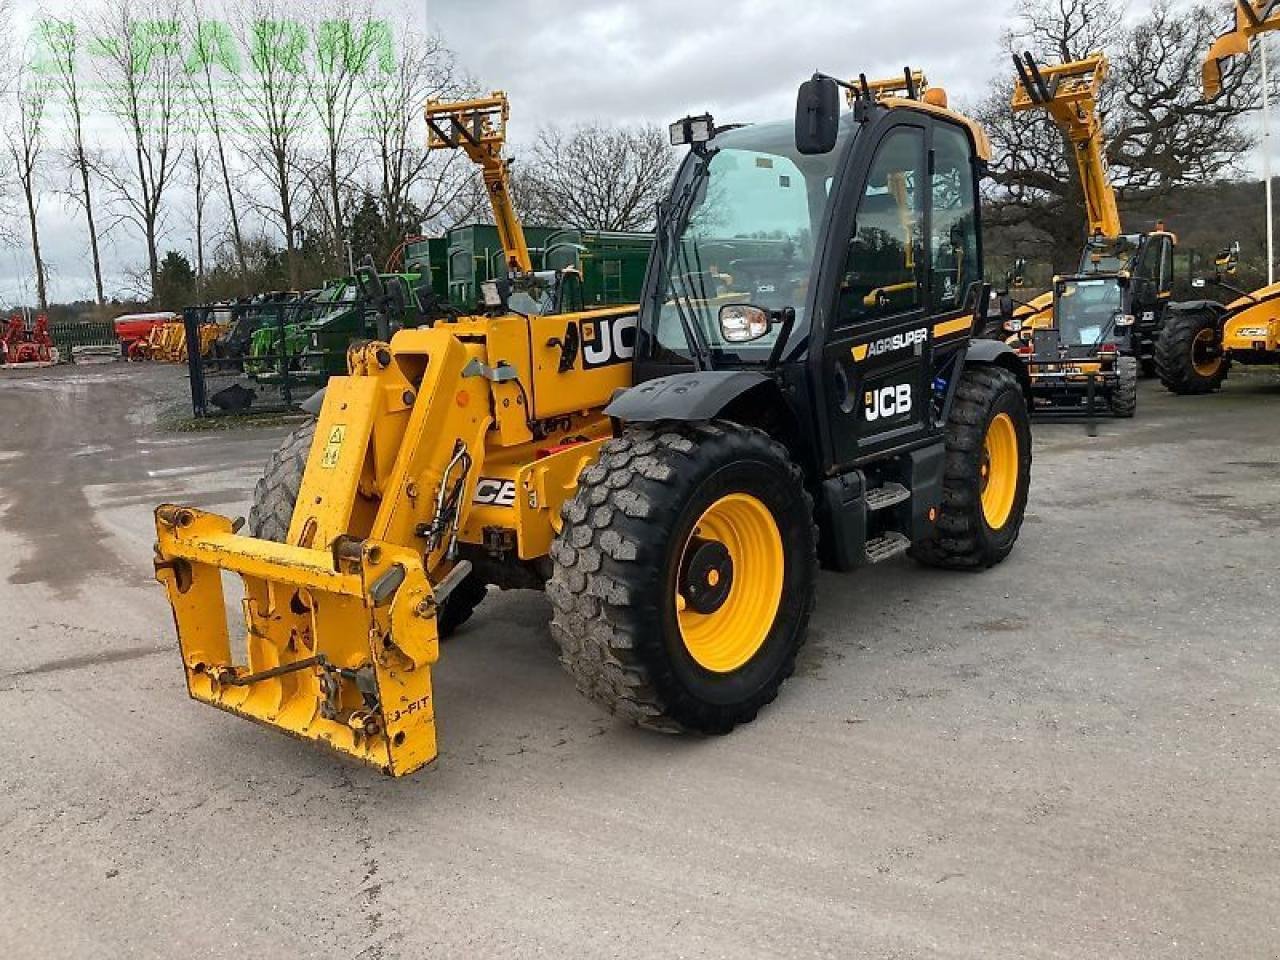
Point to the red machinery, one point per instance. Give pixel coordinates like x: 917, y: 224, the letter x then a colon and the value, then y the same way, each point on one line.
x: 20, y: 345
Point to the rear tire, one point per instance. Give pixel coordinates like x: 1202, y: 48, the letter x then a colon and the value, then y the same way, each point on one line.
x: 987, y: 474
x: 276, y: 492
x: 1183, y: 370
x: 1124, y: 400
x: 644, y: 627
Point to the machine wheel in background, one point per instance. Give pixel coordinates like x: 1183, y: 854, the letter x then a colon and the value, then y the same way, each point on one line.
x: 1188, y: 353
x: 276, y: 491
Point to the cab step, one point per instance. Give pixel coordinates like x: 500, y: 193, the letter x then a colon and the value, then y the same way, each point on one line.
x: 889, y: 495
x: 886, y: 547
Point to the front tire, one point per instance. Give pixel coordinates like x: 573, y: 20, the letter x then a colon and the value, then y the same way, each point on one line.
x: 274, y: 497
x: 1124, y: 400
x: 1189, y: 355
x: 684, y: 575
x: 987, y: 474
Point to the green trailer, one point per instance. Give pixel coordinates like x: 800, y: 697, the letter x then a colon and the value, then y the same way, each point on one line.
x: 430, y: 258
x: 612, y: 264
x: 475, y: 256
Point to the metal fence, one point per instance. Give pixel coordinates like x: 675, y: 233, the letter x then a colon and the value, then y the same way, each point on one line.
x: 82, y: 333
x: 265, y: 357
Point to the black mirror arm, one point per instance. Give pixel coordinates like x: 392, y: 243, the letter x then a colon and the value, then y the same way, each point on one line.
x: 787, y: 317
x: 1219, y: 281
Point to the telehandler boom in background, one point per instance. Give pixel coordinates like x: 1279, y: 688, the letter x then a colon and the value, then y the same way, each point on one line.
x: 799, y: 382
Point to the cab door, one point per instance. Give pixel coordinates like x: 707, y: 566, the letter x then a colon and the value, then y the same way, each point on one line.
x: 900, y: 310
x: 877, y: 346
x: 1151, y: 290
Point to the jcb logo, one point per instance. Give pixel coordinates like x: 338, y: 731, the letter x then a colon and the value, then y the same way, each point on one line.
x: 608, y: 340
x: 491, y: 492
x: 885, y: 402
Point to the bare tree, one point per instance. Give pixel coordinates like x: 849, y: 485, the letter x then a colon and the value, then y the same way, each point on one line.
x: 272, y: 118
x: 349, y: 43
x: 199, y: 156
x: 143, y: 81
x: 1160, y: 133
x: 24, y: 136
x: 214, y: 58
x: 597, y: 177
x: 412, y: 184
x: 62, y: 47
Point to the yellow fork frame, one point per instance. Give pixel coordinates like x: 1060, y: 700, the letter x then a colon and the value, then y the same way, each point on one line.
x: 318, y: 638
x: 340, y: 621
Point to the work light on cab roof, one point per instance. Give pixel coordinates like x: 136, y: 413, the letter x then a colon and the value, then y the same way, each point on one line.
x: 692, y: 130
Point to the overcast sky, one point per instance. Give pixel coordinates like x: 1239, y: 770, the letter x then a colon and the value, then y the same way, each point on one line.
x: 564, y: 61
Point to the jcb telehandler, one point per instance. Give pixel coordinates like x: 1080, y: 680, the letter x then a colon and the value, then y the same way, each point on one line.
x: 1202, y: 339
x: 798, y: 383
x: 1086, y: 341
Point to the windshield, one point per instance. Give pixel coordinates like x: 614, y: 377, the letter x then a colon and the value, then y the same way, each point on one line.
x: 1086, y: 310
x: 746, y: 234
x: 1110, y: 255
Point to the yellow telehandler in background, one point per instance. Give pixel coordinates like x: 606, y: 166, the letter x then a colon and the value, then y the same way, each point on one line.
x: 799, y: 382
x: 1202, y: 339
x: 1087, y: 339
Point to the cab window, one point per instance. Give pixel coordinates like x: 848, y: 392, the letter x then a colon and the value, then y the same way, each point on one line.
x: 884, y: 270
x: 1155, y: 264
x: 954, y: 240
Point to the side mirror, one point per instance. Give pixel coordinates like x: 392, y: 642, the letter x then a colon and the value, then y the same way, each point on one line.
x: 1228, y: 261
x: 1199, y: 283
x: 743, y: 323
x: 817, y: 116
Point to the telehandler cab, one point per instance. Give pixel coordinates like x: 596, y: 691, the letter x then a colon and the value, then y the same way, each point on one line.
x: 799, y: 382
x: 1203, y: 338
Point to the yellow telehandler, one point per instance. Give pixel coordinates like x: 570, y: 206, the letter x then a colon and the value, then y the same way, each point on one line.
x: 1088, y: 338
x: 1202, y: 339
x: 799, y: 383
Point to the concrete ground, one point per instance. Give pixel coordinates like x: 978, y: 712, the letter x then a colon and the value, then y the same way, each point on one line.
x: 1072, y: 755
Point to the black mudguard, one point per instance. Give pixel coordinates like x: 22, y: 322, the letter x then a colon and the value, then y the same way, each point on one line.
x: 686, y: 397
x: 1000, y: 354
x: 1219, y: 311
x: 313, y: 403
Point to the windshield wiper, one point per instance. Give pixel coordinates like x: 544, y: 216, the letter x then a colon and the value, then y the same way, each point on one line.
x: 669, y: 227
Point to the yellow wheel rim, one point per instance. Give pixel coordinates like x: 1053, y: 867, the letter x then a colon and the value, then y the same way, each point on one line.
x: 1204, y: 365
x: 745, y: 583
x: 999, y: 471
